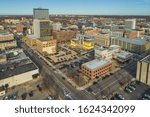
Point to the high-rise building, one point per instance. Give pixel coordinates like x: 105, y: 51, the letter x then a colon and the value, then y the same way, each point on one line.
x: 130, y: 23
x: 42, y: 27
x: 143, y: 70
x: 40, y: 13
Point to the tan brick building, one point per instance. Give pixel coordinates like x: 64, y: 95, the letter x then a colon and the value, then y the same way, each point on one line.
x: 46, y: 44
x: 143, y: 70
x: 64, y: 36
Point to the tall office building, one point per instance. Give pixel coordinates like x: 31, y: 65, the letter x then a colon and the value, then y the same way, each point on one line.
x: 40, y: 13
x: 130, y: 23
x: 42, y: 27
x: 143, y: 70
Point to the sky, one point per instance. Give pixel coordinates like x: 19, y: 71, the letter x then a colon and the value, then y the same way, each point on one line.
x: 81, y: 7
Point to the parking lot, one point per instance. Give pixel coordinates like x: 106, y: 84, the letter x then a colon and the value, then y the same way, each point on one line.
x: 136, y: 94
x: 33, y: 90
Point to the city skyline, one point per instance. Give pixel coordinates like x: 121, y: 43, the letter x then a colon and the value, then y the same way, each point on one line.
x: 84, y: 7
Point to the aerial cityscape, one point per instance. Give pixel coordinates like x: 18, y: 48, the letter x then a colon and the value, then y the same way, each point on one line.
x: 75, y: 50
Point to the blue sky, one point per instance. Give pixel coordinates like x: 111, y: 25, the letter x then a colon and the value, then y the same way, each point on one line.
x: 91, y: 7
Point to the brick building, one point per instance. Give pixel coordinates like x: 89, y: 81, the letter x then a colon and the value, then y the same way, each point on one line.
x: 96, y: 68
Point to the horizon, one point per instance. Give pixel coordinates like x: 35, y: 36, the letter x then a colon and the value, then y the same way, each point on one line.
x: 78, y: 7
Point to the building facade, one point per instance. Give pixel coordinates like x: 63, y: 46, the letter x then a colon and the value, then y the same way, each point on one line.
x: 143, y: 70
x: 131, y: 45
x: 130, y: 24
x: 42, y: 28
x: 39, y: 13
x: 102, y: 39
x: 7, y: 41
x: 46, y: 44
x: 96, y: 68
x: 64, y: 36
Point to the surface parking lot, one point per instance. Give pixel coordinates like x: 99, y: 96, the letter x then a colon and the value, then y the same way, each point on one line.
x: 137, y: 94
x: 27, y: 91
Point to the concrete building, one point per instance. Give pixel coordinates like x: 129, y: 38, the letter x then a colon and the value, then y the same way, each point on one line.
x: 30, y: 40
x: 17, y: 69
x: 39, y: 13
x: 64, y: 36
x: 107, y: 53
x: 56, y: 26
x: 130, y: 24
x: 42, y: 28
x: 14, y: 74
x: 46, y: 45
x: 96, y: 68
x: 7, y: 41
x: 131, y: 45
x: 102, y: 39
x: 116, y: 34
x: 122, y: 56
x: 143, y: 70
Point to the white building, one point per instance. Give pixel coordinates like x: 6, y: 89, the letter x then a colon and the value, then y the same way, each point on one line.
x: 123, y: 56
x: 107, y: 53
x: 116, y: 34
x: 56, y: 26
x: 130, y: 24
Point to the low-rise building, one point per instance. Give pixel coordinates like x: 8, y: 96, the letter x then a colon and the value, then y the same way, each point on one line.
x: 30, y: 40
x: 96, y: 68
x: 46, y: 44
x: 131, y: 45
x: 123, y: 56
x: 83, y: 42
x: 105, y: 53
x: 13, y: 74
x: 64, y: 55
x: 102, y: 39
x: 7, y: 40
x: 143, y: 70
x: 64, y: 36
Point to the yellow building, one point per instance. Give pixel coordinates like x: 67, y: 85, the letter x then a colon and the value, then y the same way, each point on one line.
x: 30, y: 40
x: 6, y: 37
x: 143, y: 70
x: 82, y: 41
x: 46, y: 44
x: 1, y: 27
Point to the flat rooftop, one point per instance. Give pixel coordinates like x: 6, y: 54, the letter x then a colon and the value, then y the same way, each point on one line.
x: 95, y: 64
x: 146, y: 59
x: 46, y: 38
x: 9, y: 70
x: 124, y: 54
x: 132, y: 41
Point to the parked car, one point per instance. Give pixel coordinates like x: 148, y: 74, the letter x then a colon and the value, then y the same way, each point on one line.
x: 131, y: 87
x: 146, y: 96
x: 128, y: 90
x: 119, y: 96
x: 49, y: 98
